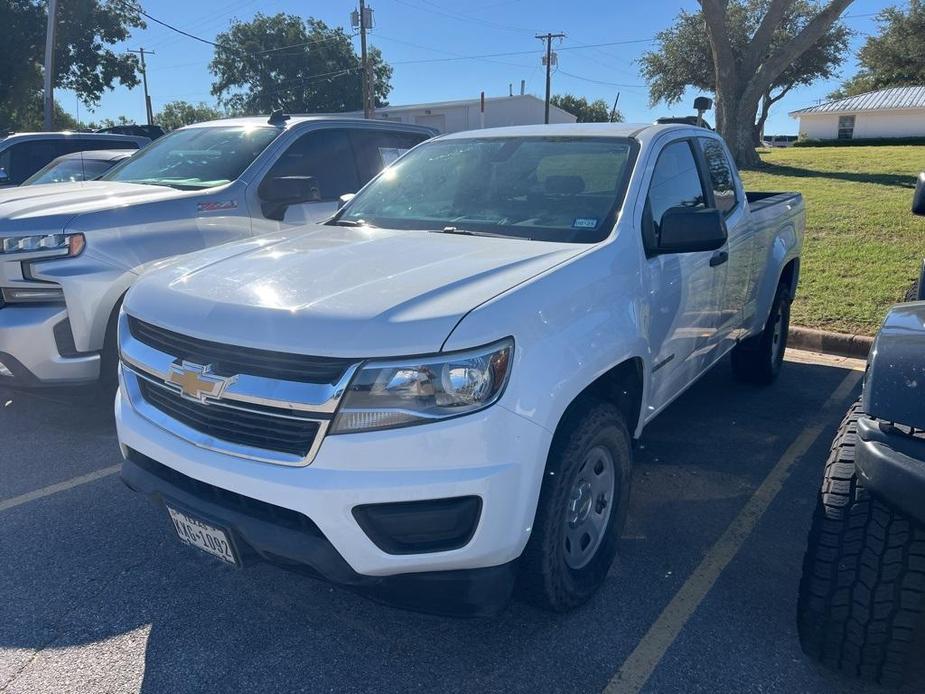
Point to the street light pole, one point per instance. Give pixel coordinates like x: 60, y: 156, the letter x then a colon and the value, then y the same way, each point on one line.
x: 49, y: 93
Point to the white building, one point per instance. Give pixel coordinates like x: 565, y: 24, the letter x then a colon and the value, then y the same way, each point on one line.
x: 453, y: 116
x: 894, y: 112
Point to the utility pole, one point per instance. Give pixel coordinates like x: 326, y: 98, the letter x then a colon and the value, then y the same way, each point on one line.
x: 362, y: 20
x: 50, y: 65
x: 547, y: 61
x: 144, y: 78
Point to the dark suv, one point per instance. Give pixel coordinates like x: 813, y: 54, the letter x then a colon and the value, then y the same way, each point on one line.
x: 862, y: 595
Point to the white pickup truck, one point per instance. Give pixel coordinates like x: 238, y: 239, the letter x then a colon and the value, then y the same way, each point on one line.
x: 69, y: 251
x: 435, y: 394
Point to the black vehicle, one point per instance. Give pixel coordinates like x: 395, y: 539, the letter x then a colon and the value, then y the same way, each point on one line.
x: 152, y: 132
x: 862, y: 596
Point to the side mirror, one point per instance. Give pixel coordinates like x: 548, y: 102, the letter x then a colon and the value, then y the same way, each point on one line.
x: 688, y: 230
x: 344, y: 199
x: 918, y: 199
x: 280, y: 192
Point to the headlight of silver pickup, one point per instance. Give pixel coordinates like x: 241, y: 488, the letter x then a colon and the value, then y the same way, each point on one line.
x: 398, y: 393
x: 52, y: 245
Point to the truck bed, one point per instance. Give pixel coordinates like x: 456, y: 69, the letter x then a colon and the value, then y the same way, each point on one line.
x: 761, y: 200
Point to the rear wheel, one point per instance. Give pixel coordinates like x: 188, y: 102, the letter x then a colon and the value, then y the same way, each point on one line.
x: 581, y: 512
x: 759, y: 359
x: 860, y: 608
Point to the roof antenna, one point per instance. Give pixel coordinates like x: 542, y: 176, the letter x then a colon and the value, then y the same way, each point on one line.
x: 277, y: 117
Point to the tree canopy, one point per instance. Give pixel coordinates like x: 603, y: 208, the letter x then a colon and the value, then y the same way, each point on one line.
x: 684, y: 57
x: 299, y: 65
x: 176, y: 114
x: 84, y: 60
x: 596, y: 111
x: 895, y: 57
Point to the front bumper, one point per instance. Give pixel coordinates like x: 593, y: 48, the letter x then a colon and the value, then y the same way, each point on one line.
x: 29, y: 350
x: 495, y: 455
x: 891, y: 464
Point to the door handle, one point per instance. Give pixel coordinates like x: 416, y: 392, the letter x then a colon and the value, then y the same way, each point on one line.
x: 719, y: 258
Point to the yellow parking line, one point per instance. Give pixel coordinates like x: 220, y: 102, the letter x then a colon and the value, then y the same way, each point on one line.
x: 59, y: 487
x: 641, y: 663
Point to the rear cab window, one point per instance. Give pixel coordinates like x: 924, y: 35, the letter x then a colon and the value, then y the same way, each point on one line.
x: 720, y: 174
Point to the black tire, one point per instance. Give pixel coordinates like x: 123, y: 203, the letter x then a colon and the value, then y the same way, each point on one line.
x: 109, y: 355
x: 861, y: 595
x: 759, y: 359
x: 546, y: 578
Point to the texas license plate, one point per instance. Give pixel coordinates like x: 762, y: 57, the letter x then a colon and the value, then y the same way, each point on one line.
x: 208, y: 538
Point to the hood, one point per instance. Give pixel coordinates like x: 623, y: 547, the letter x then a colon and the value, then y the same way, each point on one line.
x: 338, y: 291
x: 47, y: 208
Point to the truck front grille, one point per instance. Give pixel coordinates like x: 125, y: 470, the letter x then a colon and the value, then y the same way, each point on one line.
x: 231, y: 360
x: 267, y: 428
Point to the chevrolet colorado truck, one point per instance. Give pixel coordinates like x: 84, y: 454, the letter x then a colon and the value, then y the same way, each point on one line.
x: 861, y: 606
x: 69, y: 251
x: 434, y: 395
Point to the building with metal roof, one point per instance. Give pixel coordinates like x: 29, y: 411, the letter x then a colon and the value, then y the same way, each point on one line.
x: 894, y: 112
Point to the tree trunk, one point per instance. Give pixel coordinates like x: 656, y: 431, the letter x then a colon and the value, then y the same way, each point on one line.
x: 735, y: 121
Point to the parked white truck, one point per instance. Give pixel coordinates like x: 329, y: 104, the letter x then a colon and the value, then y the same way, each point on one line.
x: 435, y: 394
x: 69, y: 251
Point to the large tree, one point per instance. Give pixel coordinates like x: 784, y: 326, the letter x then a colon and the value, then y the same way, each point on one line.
x: 176, y: 114
x: 684, y: 57
x: 299, y: 65
x: 596, y: 111
x: 743, y: 76
x: 86, y: 30
x: 896, y: 56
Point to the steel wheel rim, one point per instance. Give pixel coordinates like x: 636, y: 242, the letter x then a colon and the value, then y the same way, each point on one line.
x: 589, y: 507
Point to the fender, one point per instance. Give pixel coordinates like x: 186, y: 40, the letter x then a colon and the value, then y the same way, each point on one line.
x: 895, y: 381
x: 573, y: 324
x: 784, y: 248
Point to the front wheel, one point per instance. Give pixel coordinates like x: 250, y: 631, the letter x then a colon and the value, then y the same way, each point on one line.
x: 861, y: 603
x: 581, y: 512
x: 759, y: 359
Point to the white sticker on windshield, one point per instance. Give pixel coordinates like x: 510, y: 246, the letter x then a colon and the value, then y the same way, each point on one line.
x: 390, y: 154
x: 585, y: 223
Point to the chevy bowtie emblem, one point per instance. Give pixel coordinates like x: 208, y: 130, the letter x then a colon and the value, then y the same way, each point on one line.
x: 197, y: 382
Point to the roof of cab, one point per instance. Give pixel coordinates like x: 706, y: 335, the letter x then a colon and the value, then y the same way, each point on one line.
x: 254, y: 121
x: 572, y: 130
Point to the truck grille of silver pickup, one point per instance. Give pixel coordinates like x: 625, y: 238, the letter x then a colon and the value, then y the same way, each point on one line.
x: 229, y: 360
x: 269, y: 429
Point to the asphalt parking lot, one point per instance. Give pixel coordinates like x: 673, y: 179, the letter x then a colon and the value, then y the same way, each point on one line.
x: 96, y: 595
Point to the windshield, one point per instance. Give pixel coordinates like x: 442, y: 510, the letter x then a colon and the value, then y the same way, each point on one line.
x: 69, y: 170
x: 548, y: 188
x: 195, y: 158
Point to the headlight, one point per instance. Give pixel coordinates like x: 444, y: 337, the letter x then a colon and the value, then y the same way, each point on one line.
x: 52, y: 244
x: 391, y: 394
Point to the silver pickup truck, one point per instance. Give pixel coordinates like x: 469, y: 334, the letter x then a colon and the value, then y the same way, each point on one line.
x: 70, y: 251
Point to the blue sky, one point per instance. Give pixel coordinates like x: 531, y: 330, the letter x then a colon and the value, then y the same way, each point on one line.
x: 415, y: 30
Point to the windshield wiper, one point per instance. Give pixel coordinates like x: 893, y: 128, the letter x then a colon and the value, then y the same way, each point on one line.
x: 353, y: 223
x: 470, y: 232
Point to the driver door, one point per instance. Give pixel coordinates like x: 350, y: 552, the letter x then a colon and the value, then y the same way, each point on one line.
x: 685, y: 289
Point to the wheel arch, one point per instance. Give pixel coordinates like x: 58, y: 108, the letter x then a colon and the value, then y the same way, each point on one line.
x: 622, y: 385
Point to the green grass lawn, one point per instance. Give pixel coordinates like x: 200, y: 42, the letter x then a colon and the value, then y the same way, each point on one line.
x: 863, y: 246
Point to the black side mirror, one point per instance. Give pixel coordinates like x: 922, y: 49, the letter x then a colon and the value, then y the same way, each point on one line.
x: 918, y: 199
x: 280, y: 192
x: 689, y: 230
x: 344, y: 199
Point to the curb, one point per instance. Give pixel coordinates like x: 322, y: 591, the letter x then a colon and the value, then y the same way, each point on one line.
x: 842, y: 344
